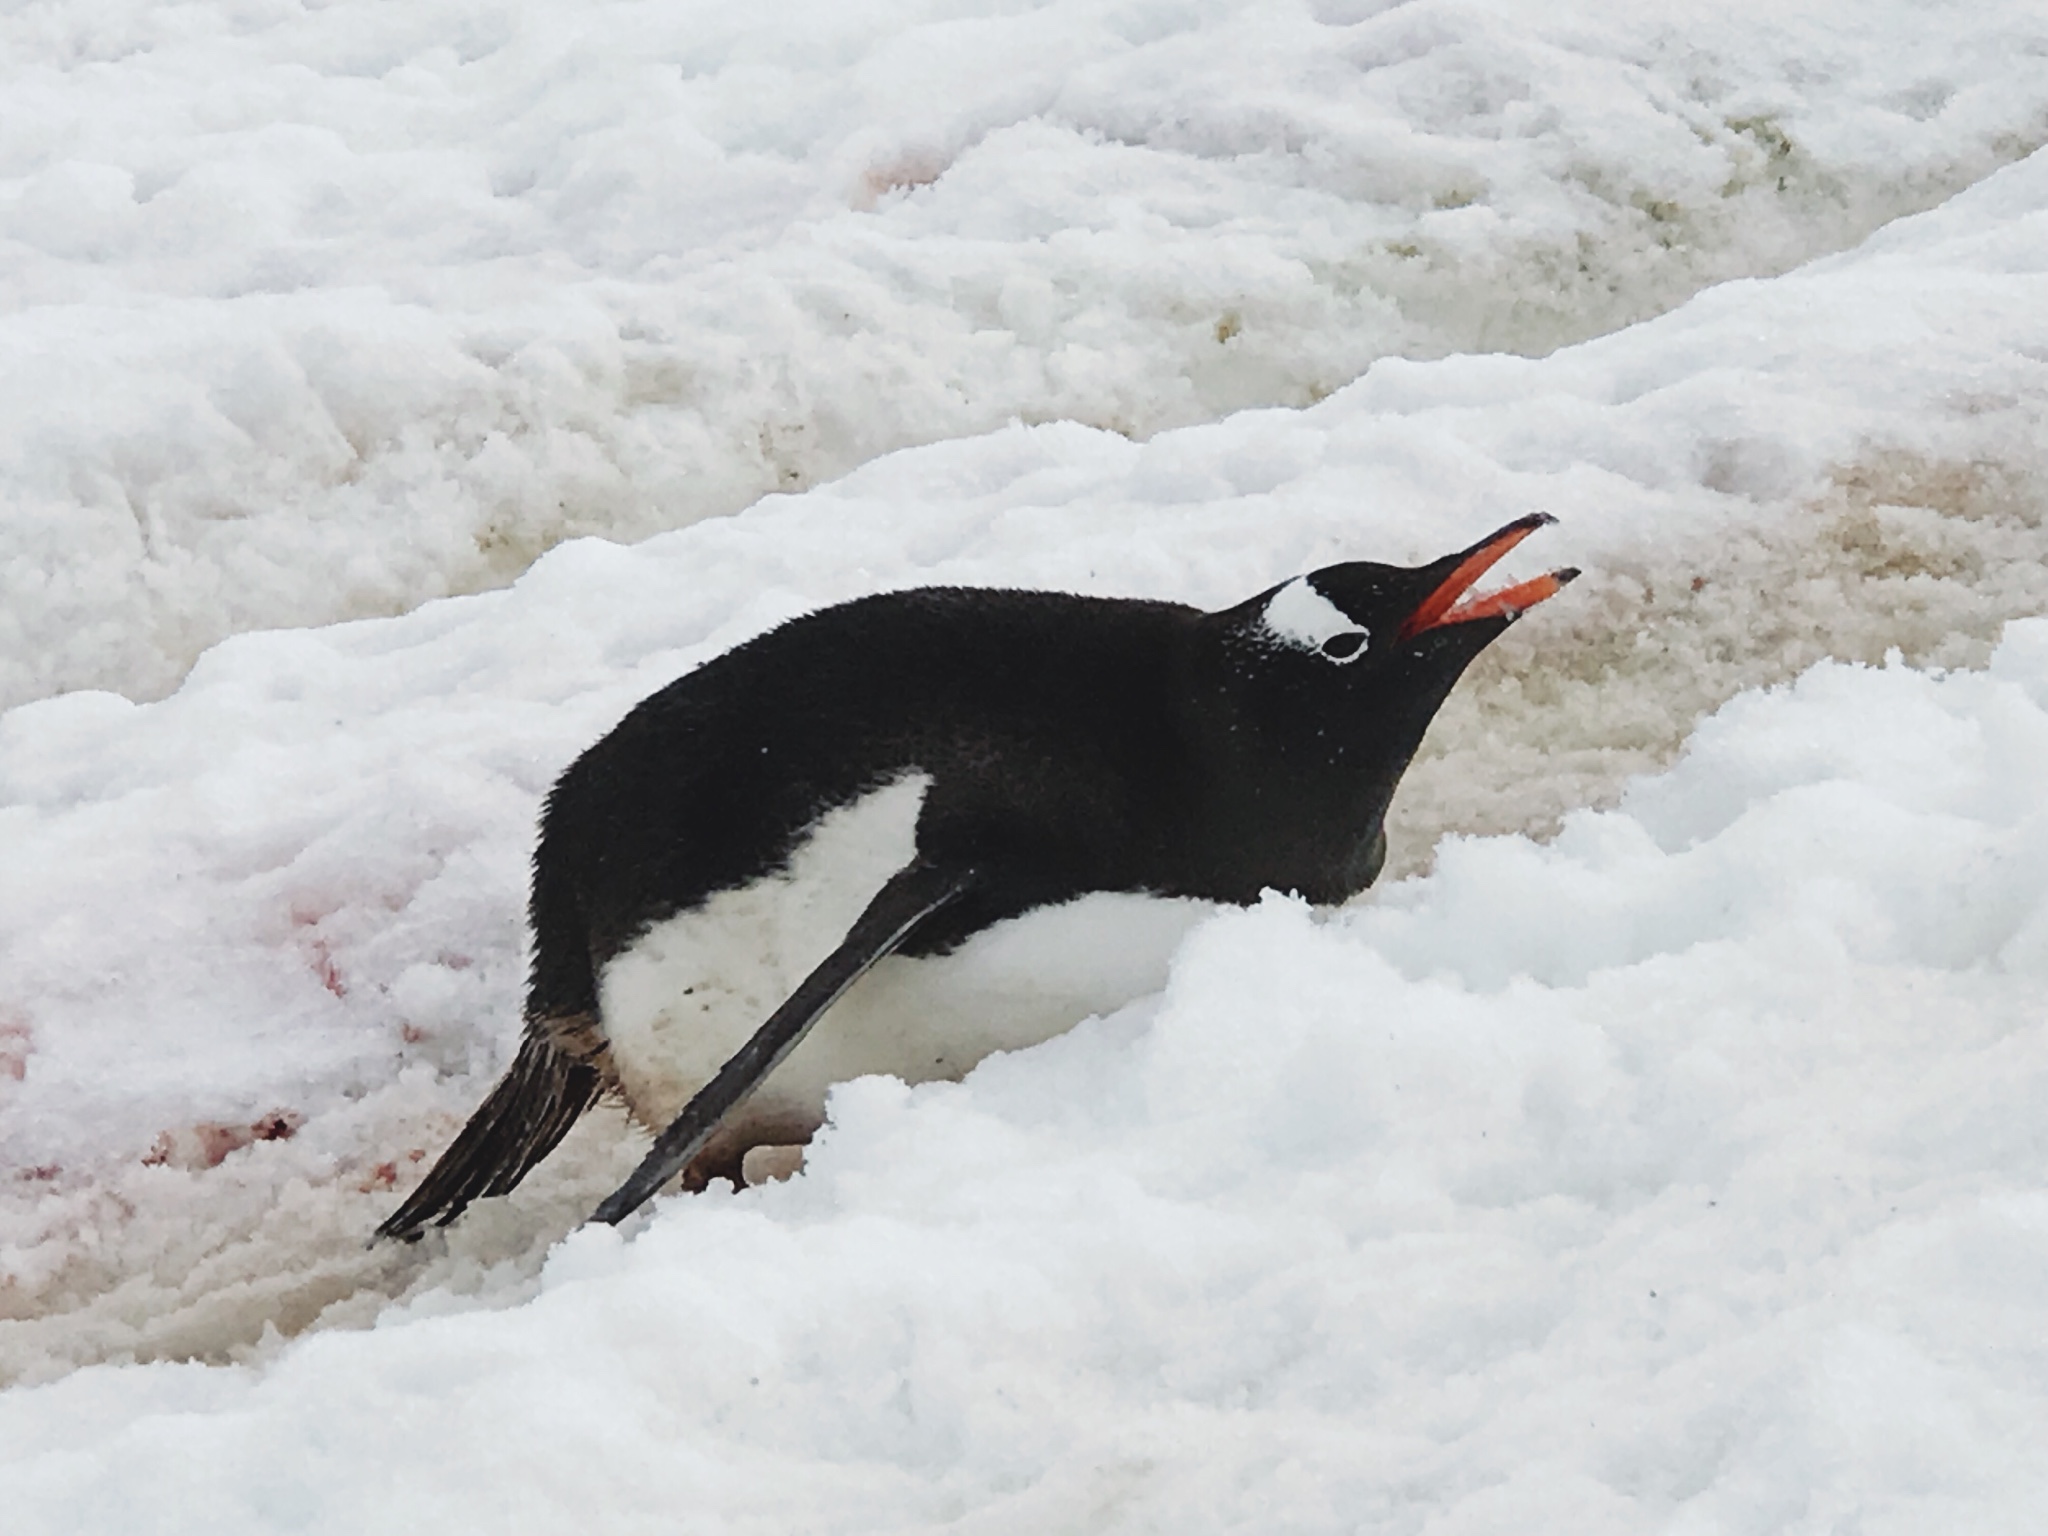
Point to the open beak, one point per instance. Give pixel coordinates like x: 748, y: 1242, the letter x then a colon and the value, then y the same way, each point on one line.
x: 1453, y: 601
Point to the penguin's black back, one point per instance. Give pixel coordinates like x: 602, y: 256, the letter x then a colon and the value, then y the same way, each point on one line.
x: 1046, y: 722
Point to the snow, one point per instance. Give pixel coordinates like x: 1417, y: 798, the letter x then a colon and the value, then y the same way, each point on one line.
x: 1657, y: 1147
x: 1684, y: 1171
x: 321, y: 311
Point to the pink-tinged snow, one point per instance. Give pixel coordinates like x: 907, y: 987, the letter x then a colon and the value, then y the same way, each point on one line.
x: 311, y: 312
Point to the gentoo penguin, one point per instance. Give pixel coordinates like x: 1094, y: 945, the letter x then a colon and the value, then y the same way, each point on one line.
x: 879, y: 804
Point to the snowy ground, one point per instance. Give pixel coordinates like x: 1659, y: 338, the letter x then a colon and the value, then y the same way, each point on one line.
x: 1678, y: 1167
x: 314, y: 312
x: 1684, y: 1174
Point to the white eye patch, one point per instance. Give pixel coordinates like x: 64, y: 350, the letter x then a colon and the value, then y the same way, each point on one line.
x: 1299, y: 615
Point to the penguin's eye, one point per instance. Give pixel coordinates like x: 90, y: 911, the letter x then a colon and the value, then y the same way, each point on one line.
x: 1301, y: 618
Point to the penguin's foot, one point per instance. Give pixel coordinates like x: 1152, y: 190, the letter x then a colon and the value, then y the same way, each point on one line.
x: 730, y: 1153
x: 771, y: 1165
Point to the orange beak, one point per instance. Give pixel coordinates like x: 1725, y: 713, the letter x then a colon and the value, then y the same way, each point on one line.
x: 1452, y: 602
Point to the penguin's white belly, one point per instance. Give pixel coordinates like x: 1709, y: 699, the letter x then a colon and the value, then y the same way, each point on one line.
x: 693, y: 989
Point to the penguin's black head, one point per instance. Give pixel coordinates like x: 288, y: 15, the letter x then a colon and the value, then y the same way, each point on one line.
x: 1313, y: 696
x: 1361, y: 626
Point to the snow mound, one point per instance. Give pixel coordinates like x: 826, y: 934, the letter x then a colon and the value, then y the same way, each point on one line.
x: 1684, y: 1172
x: 314, y: 313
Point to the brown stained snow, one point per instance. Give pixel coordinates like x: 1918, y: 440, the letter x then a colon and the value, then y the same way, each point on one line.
x: 1903, y: 553
x: 17, y: 1040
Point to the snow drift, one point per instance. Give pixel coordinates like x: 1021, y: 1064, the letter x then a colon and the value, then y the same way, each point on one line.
x: 318, y: 312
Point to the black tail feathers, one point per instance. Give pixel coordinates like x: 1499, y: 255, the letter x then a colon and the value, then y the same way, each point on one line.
x: 526, y: 1115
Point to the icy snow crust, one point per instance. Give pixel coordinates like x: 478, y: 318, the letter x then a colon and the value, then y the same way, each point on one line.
x: 1683, y: 1171
x: 310, y: 313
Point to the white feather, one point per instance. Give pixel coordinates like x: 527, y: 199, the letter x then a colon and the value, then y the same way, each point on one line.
x: 1299, y: 615
x: 689, y: 993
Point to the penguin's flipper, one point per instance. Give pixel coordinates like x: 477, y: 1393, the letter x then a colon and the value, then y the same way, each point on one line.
x: 912, y: 894
x: 536, y: 1101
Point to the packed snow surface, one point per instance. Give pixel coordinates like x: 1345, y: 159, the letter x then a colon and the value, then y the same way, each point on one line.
x: 309, y: 312
x: 1659, y: 1147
